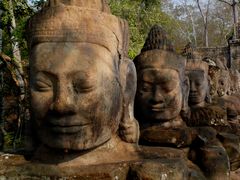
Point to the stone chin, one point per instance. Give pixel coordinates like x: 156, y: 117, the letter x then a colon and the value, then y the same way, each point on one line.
x: 164, y: 115
x: 168, y: 116
x: 83, y: 140
x: 196, y: 102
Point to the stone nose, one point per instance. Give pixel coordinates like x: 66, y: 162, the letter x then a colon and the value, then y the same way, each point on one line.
x: 193, y: 87
x: 157, y: 96
x: 63, y: 101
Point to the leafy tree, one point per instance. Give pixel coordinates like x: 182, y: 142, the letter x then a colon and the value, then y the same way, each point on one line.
x: 234, y: 6
x: 205, y: 18
x: 192, y: 24
x: 37, y: 4
x: 141, y: 16
x: 14, y: 18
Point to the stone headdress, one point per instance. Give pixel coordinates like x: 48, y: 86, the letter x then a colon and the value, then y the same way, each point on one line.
x: 79, y: 21
x: 158, y: 52
x: 198, y: 65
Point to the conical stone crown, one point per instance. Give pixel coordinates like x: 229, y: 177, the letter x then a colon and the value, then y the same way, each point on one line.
x: 157, y: 39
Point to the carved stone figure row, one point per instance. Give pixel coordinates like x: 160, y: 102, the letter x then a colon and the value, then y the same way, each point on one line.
x: 82, y: 98
x: 82, y: 94
x: 164, y: 91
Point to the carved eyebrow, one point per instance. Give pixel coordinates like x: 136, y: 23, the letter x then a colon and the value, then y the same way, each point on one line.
x: 148, y: 82
x: 77, y: 72
x: 48, y: 74
x: 82, y: 75
x: 167, y: 79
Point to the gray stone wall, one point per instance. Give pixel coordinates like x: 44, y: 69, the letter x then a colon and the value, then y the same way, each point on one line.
x: 228, y: 55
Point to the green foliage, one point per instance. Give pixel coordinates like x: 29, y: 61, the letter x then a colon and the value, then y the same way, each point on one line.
x: 141, y: 16
x: 21, y: 13
x: 8, y: 140
x: 37, y: 4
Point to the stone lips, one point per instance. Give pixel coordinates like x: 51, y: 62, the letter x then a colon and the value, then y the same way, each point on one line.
x: 77, y: 24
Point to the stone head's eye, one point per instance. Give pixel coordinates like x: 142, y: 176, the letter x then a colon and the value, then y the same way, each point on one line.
x: 167, y: 87
x: 42, y: 86
x: 197, y: 83
x: 82, y: 87
x: 146, y: 87
x: 221, y: 82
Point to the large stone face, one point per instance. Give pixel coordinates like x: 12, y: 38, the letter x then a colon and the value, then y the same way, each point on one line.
x: 76, y: 100
x: 79, y: 76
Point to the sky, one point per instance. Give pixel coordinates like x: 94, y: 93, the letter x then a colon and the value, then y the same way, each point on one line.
x: 176, y: 1
x: 180, y: 1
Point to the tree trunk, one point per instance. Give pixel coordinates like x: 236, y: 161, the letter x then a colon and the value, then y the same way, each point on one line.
x: 206, y: 35
x: 1, y: 40
x: 15, y: 45
x: 1, y: 88
x: 235, y: 18
x: 235, y: 12
x: 205, y: 21
x: 190, y: 14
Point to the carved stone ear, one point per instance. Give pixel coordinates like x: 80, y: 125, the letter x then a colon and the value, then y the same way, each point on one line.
x: 185, y: 93
x: 128, y: 127
x: 208, y: 97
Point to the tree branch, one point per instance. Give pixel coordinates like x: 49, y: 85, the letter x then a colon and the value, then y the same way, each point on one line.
x: 207, y: 12
x: 200, y: 9
x: 226, y: 2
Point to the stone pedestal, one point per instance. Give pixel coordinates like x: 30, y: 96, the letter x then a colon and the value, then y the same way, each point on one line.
x: 138, y: 163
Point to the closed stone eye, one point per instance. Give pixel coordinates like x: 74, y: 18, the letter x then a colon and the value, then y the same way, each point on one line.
x: 42, y: 86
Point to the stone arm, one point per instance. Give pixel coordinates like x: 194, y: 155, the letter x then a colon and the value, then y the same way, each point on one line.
x: 128, y: 127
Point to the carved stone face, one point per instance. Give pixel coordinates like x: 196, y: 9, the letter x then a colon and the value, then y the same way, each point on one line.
x: 198, y: 87
x: 223, y: 83
x: 75, y: 97
x: 159, y: 94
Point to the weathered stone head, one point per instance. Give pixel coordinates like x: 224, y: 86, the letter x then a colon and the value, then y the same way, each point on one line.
x: 82, y: 84
x: 197, y: 72
x: 162, y: 87
x: 219, y: 75
x: 223, y: 83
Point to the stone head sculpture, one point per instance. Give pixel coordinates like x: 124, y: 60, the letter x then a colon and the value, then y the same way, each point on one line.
x: 197, y: 72
x: 223, y: 83
x: 82, y: 84
x: 219, y: 78
x: 162, y: 87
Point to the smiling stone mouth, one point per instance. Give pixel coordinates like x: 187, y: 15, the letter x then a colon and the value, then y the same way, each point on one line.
x: 193, y: 96
x: 157, y: 108
x: 67, y: 129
